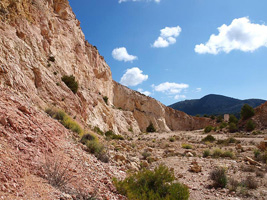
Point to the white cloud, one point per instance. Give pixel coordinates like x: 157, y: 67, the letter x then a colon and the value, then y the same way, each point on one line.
x: 133, y: 77
x: 179, y: 97
x: 121, y: 54
x: 167, y: 37
x: 147, y: 93
x: 198, y: 89
x: 170, y: 88
x: 120, y: 1
x: 241, y: 35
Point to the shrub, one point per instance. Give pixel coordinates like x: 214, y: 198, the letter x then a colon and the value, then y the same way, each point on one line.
x: 247, y: 111
x: 71, y: 83
x: 219, y: 119
x: 171, y: 139
x: 150, y: 128
x: 208, y: 129
x: 105, y: 98
x: 56, y: 172
x: 98, y: 130
x: 228, y: 141
x: 250, y: 126
x: 208, y: 138
x: 217, y: 153
x: 206, y: 153
x: 65, y: 120
x: 218, y: 175
x: 233, y: 119
x: 232, y: 127
x: 146, y: 154
x: 157, y: 185
x: 232, y: 184
x: 223, y: 125
x: 97, y: 149
x: 111, y: 135
x: 51, y: 59
x: 187, y: 146
x: 250, y: 182
x: 228, y: 154
x: 87, y: 137
x: 260, y: 174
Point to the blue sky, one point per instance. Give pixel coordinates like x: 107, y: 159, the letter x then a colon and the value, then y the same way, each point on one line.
x: 184, y: 60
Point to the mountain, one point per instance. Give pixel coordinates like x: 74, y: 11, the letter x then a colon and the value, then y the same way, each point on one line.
x: 214, y: 104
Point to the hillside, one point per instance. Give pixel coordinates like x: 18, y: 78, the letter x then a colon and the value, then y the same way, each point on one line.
x: 41, y: 42
x: 214, y: 104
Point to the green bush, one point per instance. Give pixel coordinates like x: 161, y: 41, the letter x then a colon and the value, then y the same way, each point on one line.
x: 233, y: 119
x: 218, y: 175
x: 219, y: 119
x: 208, y: 138
x: 226, y: 142
x: 187, y: 146
x: 71, y: 83
x: 65, y: 120
x: 110, y: 135
x: 250, y: 126
x: 217, y: 153
x: 232, y: 127
x: 150, y: 128
x: 98, y: 130
x: 228, y: 154
x: 208, y: 129
x: 246, y: 112
x: 171, y: 139
x: 206, y: 153
x: 152, y: 185
x: 105, y: 98
x: 223, y: 125
x: 51, y: 59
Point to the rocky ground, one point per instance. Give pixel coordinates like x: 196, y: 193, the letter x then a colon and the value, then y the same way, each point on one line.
x: 189, y: 165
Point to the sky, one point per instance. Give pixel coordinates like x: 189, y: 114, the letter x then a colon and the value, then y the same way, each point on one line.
x: 173, y: 50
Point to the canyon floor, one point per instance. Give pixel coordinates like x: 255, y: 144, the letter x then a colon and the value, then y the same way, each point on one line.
x: 167, y: 148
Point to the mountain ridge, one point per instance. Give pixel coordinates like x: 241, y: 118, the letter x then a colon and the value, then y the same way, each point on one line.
x: 214, y: 104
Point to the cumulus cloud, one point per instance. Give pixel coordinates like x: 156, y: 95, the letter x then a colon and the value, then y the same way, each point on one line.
x: 147, y: 93
x: 170, y: 88
x: 167, y: 37
x: 241, y: 35
x: 133, y: 77
x: 120, y: 1
x: 177, y: 97
x: 121, y: 54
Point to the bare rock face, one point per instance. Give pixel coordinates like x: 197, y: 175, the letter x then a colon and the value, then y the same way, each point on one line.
x: 41, y: 41
x: 146, y: 109
x: 260, y: 117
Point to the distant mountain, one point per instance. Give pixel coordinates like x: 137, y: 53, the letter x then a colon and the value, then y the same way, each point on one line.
x: 214, y: 105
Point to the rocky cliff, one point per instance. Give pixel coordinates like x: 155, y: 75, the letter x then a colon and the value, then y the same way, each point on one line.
x: 261, y: 116
x: 41, y: 41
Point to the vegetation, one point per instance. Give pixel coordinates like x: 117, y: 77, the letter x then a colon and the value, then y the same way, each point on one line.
x: 105, y: 98
x: 250, y: 126
x: 220, y: 153
x: 218, y: 175
x: 246, y: 112
x: 87, y: 139
x: 51, y: 59
x: 65, y: 120
x: 157, y: 185
x: 232, y: 128
x: 228, y: 141
x: 219, y: 119
x: 206, y: 153
x: 111, y: 135
x: 171, y: 139
x: 208, y: 129
x: 187, y: 146
x: 223, y: 125
x: 71, y: 83
x: 150, y: 128
x: 233, y: 119
x: 208, y: 138
x: 98, y: 130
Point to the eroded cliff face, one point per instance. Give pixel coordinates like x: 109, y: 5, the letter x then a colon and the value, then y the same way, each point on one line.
x: 260, y: 117
x: 41, y: 40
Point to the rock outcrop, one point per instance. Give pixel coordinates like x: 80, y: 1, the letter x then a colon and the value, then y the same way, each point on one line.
x: 260, y: 117
x: 41, y: 41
